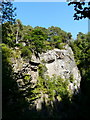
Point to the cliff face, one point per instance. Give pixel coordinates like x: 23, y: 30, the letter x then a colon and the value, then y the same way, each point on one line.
x: 61, y: 62
x: 58, y: 62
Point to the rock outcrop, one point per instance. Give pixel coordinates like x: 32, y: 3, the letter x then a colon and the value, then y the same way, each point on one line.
x: 58, y: 62
x: 61, y: 62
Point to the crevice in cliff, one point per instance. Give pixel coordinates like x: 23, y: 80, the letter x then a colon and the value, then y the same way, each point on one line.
x: 34, y: 63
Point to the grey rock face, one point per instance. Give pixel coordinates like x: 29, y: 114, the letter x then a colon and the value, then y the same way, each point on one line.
x: 61, y: 62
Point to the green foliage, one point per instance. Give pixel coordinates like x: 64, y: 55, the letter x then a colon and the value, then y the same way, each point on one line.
x: 82, y: 10
x: 43, y: 61
x: 8, y: 10
x: 12, y: 98
x: 60, y: 45
x: 20, y: 45
x: 69, y: 35
x: 6, y: 53
x: 55, y: 34
x: 54, y: 86
x: 41, y: 70
x: 27, y: 79
x: 37, y: 41
x: 7, y: 34
x: 18, y: 31
x: 71, y: 78
x: 7, y: 75
x: 81, y: 48
x: 26, y: 53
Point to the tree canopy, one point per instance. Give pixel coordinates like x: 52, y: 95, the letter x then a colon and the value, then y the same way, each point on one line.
x: 8, y: 14
x: 82, y: 10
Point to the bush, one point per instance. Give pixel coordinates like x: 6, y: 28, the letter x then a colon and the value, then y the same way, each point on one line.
x: 71, y: 78
x: 26, y: 53
x: 20, y: 45
x: 60, y: 45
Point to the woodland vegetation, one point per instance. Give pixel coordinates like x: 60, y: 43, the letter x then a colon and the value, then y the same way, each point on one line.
x: 36, y: 40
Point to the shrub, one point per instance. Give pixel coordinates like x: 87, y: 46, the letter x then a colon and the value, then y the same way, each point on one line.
x: 60, y: 45
x: 71, y: 78
x: 26, y: 53
x: 20, y: 45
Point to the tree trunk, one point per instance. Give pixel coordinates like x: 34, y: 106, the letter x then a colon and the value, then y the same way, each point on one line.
x: 17, y: 35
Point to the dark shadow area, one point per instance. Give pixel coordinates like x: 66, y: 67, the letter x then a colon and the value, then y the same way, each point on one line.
x: 50, y: 61
x: 15, y: 107
x: 13, y: 103
x: 33, y: 63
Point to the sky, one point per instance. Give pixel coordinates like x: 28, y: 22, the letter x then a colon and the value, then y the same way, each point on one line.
x: 47, y: 0
x: 47, y: 14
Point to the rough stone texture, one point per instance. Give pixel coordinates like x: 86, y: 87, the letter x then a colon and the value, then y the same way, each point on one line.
x: 58, y: 62
x: 61, y: 62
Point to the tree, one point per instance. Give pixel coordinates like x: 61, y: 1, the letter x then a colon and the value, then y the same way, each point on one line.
x: 19, y: 27
x: 8, y: 19
x: 56, y: 32
x: 7, y: 34
x: 81, y: 48
x: 82, y: 10
x: 37, y: 41
x: 8, y: 14
x: 69, y: 36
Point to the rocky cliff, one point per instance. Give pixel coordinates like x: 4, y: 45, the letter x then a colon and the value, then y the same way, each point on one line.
x: 61, y: 62
x: 58, y: 62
